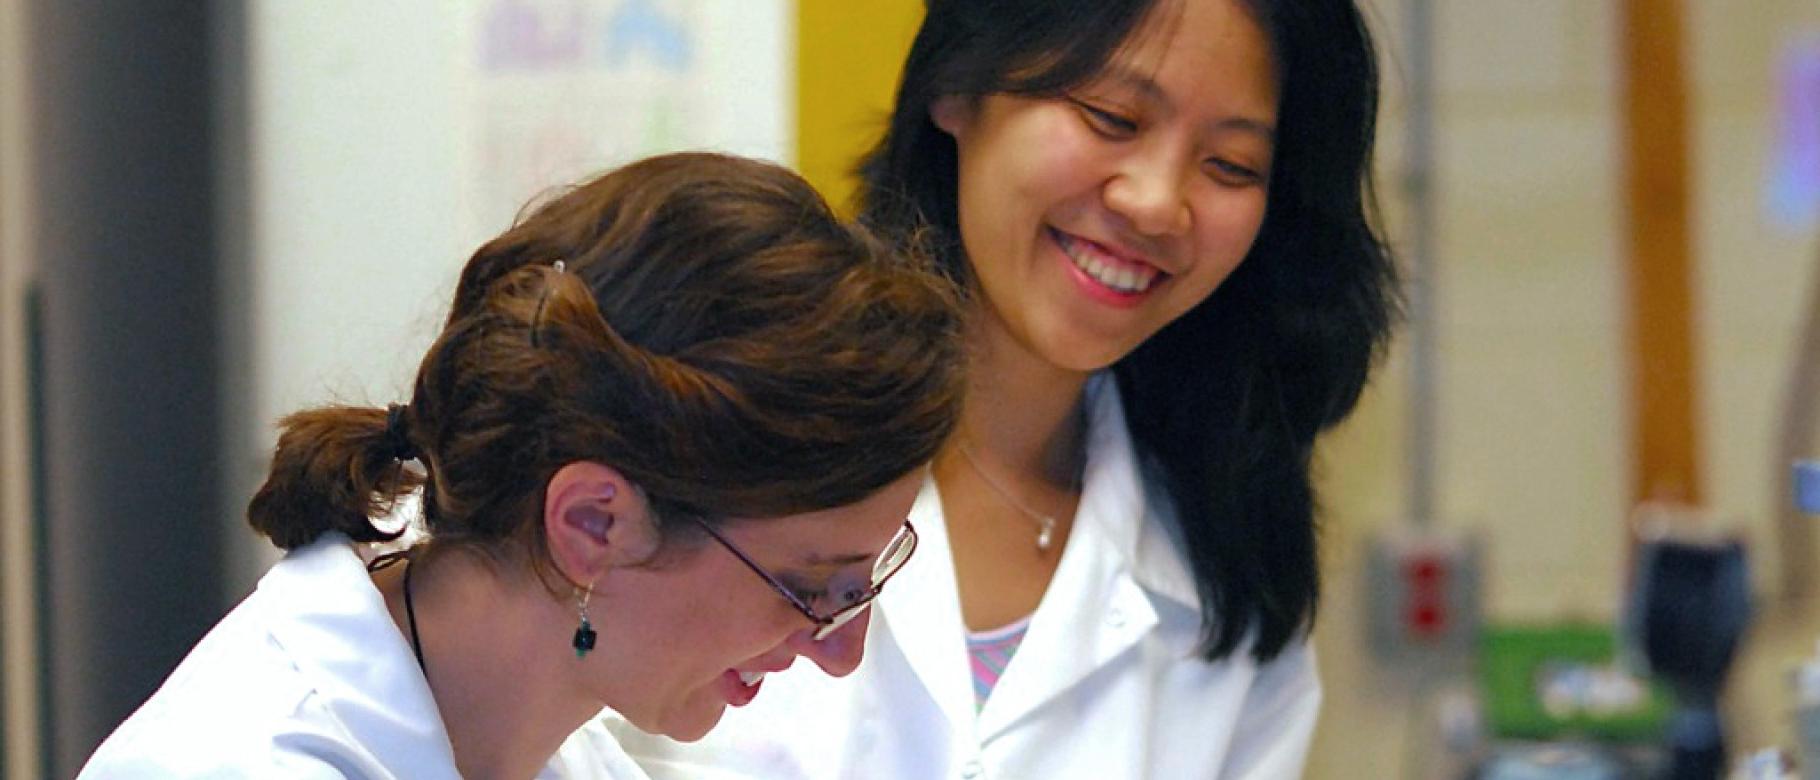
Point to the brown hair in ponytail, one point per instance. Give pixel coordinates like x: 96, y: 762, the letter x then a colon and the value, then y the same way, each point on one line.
x: 335, y: 469
x: 717, y: 334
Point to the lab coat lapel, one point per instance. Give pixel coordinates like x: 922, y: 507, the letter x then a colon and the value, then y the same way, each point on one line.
x: 332, y: 622
x: 1100, y: 613
x: 920, y: 611
x: 1093, y: 610
x: 1099, y: 605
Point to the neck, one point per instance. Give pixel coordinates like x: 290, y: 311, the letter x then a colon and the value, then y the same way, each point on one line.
x: 1009, y: 501
x: 472, y: 624
x: 1023, y: 413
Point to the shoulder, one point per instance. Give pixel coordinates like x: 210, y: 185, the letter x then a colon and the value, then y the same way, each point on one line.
x: 216, y: 729
x: 221, y: 760
x: 267, y: 733
x: 1292, y: 674
x: 240, y: 704
x: 1286, y: 686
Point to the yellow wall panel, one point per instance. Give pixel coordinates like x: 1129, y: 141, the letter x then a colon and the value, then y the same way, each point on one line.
x: 848, y: 55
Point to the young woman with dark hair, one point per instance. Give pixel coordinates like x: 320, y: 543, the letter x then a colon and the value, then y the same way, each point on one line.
x: 665, y: 442
x: 1161, y: 213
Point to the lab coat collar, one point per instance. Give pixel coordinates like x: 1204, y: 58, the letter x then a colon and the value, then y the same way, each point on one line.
x: 333, y: 623
x: 921, y: 614
x: 1121, y: 574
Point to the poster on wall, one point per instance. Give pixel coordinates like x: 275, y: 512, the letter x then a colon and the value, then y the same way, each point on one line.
x: 385, y: 141
x: 557, y: 90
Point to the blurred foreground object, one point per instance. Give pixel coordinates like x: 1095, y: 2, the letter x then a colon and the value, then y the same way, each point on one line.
x: 1806, y: 683
x: 1688, y: 609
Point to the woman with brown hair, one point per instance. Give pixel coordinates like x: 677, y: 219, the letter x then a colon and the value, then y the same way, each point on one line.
x: 666, y: 443
x: 1160, y: 212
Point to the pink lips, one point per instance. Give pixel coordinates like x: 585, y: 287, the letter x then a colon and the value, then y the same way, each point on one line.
x: 1091, y: 286
x: 738, y: 693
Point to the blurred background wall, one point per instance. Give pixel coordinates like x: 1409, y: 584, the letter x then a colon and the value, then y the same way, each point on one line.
x: 211, y: 214
x: 1534, y: 418
x: 113, y: 550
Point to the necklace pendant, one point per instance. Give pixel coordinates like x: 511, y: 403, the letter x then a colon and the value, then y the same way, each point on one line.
x: 1045, y: 536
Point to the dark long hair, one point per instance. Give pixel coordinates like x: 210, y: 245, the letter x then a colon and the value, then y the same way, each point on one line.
x: 715, y: 333
x: 1226, y: 401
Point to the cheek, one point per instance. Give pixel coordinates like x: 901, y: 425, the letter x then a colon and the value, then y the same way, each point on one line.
x: 1026, y: 175
x: 1227, y: 230
x: 1018, y: 164
x: 1051, y: 159
x: 1222, y: 238
x: 738, y: 618
x: 691, y: 626
x: 685, y: 646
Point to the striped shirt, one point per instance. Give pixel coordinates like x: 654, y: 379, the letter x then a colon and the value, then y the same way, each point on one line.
x: 990, y: 652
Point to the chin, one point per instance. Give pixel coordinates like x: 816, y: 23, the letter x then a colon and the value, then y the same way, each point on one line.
x: 682, y: 727
x: 1080, y: 347
x: 1087, y: 359
x: 695, y: 729
x: 1090, y: 363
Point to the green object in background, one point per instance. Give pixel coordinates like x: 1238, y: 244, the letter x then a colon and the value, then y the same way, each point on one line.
x: 1554, y: 682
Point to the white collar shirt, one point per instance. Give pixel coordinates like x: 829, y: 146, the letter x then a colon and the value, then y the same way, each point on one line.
x: 308, y: 678
x: 1105, y: 684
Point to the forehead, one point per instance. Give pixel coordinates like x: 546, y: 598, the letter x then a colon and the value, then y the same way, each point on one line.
x: 1188, y: 49
x: 829, y: 538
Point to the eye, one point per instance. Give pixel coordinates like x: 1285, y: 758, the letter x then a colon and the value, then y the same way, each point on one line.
x: 1233, y: 174
x: 807, y: 594
x: 839, y: 593
x: 1106, y: 122
x: 850, y: 596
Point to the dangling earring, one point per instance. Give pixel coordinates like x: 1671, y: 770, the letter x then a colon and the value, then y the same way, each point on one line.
x: 584, y: 633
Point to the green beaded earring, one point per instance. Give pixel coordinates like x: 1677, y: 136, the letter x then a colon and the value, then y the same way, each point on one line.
x: 584, y: 633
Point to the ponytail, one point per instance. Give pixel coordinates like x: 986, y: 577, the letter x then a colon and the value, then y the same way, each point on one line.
x: 335, y: 469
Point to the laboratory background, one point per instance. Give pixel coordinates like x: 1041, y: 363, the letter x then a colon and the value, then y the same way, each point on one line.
x: 1563, y: 528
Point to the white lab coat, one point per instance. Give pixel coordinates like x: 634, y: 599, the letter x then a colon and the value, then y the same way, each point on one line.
x: 308, y: 678
x: 1105, y: 684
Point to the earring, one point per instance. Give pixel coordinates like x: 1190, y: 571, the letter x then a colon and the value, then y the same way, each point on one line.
x: 584, y: 633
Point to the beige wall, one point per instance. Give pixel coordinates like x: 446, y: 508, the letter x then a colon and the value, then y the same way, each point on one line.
x: 1533, y: 430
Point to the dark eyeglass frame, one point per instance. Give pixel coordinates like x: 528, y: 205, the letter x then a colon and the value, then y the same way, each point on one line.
x: 832, y: 622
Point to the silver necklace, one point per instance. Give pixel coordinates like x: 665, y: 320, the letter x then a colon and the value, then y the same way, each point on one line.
x: 1045, y: 524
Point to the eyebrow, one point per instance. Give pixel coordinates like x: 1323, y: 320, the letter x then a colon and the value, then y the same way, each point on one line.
x: 1147, y: 86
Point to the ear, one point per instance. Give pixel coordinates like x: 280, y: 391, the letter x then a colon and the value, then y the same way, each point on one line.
x: 594, y: 519
x: 952, y: 113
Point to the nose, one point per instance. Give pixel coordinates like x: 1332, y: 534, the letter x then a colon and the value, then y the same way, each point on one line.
x: 838, y: 654
x: 1149, y: 191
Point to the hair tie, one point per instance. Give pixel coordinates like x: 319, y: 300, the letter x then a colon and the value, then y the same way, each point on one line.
x: 397, y: 439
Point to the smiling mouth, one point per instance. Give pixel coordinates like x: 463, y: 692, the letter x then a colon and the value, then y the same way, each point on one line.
x: 1115, y: 273
x: 740, y: 688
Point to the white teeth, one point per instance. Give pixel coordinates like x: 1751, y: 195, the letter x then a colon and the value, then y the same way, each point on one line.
x: 750, y: 679
x: 1123, y: 279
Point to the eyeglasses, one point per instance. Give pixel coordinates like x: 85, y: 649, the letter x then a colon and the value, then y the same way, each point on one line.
x: 847, y: 604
